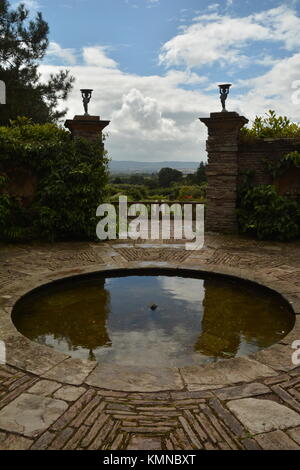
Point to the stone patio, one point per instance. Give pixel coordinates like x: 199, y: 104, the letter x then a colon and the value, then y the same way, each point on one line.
x: 51, y: 401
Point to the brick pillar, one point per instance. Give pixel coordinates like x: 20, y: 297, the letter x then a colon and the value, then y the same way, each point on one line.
x: 88, y: 127
x: 222, y: 170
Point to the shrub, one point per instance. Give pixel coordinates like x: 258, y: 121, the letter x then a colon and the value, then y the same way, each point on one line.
x: 264, y: 213
x: 270, y: 126
x: 191, y: 192
x: 71, y: 178
x: 133, y: 192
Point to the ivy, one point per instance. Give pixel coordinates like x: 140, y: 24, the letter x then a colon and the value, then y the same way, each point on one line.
x: 287, y: 161
x: 71, y: 175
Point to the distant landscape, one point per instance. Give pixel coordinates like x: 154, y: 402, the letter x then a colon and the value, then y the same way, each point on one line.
x: 129, y: 167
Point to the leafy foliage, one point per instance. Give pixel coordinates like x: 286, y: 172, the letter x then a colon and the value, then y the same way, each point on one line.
x: 270, y: 126
x: 191, y: 192
x: 71, y: 179
x: 23, y: 44
x: 133, y: 192
x: 265, y: 214
x: 166, y: 176
x: 287, y: 161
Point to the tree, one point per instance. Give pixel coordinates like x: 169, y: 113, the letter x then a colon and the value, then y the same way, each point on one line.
x: 23, y: 44
x: 200, y: 176
x: 166, y: 176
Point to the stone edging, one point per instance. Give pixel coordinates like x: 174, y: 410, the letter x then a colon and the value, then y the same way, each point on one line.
x: 46, y: 362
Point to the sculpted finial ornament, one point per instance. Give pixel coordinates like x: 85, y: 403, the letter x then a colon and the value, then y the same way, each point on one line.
x: 224, y: 92
x: 86, y: 98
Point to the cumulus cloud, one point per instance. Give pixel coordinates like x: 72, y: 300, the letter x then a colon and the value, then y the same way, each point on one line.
x: 155, y: 117
x: 152, y: 117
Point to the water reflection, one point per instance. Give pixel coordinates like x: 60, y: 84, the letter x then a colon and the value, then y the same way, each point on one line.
x: 196, y: 320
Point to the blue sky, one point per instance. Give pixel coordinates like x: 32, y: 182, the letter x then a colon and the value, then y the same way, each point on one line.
x: 155, y: 65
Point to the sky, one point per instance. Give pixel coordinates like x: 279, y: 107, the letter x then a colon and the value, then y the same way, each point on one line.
x: 155, y: 66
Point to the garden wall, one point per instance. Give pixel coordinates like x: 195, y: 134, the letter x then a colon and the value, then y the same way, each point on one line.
x: 251, y: 156
x: 229, y: 158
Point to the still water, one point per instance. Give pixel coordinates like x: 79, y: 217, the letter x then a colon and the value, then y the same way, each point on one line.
x: 154, y: 320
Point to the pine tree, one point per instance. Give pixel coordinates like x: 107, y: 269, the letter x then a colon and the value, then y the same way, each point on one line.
x: 23, y: 44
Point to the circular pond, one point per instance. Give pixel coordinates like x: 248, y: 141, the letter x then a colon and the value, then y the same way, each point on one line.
x: 154, y: 317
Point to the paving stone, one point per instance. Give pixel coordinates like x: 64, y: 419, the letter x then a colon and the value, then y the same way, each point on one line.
x: 94, y: 430
x: 227, y: 417
x: 30, y: 356
x: 71, y: 371
x: 86, y: 411
x: 9, y: 397
x: 177, y: 396
x: 190, y: 433
x: 30, y: 415
x: 287, y: 398
x: 294, y: 335
x: 135, y: 378
x: 99, y: 441
x: 43, y: 441
x: 241, y: 391
x: 13, y: 442
x: 226, y: 372
x: 279, y: 357
x: 61, y: 439
x: 224, y: 433
x: 276, y: 440
x: 294, y: 434
x: 277, y: 379
x: 69, y: 393
x: 76, y: 438
x: 117, y: 443
x: 74, y: 410
x: 260, y: 416
x: 161, y: 430
x: 144, y: 443
x: 44, y: 388
x: 149, y: 411
x: 250, y: 444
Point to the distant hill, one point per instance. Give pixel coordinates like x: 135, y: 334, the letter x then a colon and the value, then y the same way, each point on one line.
x: 150, y: 167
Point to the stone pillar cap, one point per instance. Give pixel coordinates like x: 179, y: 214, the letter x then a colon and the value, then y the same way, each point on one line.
x: 85, y: 117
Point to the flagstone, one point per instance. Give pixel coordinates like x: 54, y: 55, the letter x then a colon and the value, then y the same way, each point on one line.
x: 260, y: 416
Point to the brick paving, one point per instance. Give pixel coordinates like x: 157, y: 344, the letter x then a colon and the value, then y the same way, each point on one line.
x: 65, y: 412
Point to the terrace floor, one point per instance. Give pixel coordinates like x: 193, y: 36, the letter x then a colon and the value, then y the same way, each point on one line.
x: 51, y: 401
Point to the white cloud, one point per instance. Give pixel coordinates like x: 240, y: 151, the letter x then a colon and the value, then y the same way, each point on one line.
x: 223, y: 39
x: 283, y: 25
x: 56, y: 50
x: 97, y: 56
x: 155, y: 117
x: 273, y: 90
x: 152, y: 117
x: 142, y: 116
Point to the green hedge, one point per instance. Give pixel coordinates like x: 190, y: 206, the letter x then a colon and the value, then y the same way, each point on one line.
x: 267, y: 215
x: 71, y: 176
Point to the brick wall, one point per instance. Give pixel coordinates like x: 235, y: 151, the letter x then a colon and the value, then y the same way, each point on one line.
x: 229, y: 157
x: 251, y: 156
